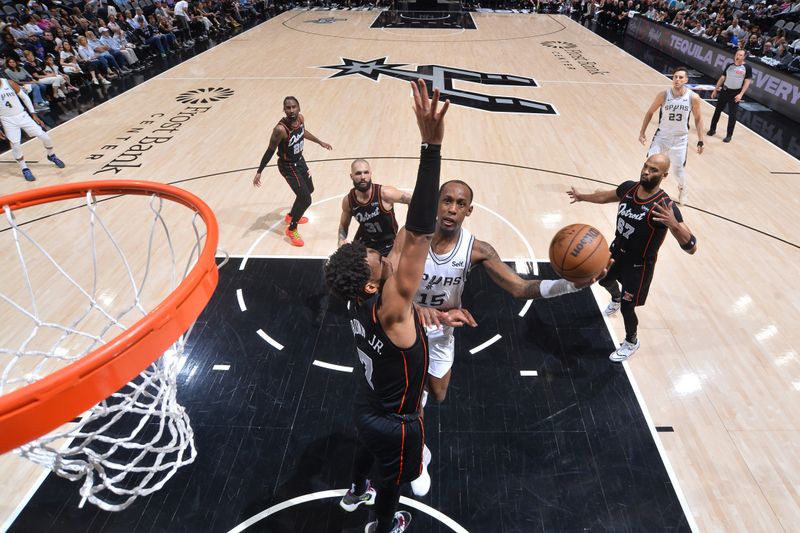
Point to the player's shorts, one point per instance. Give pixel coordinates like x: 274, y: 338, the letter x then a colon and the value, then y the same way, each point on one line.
x: 634, y: 275
x: 396, y: 442
x: 382, y: 248
x: 676, y: 148
x: 13, y: 126
x: 441, y: 351
x: 296, y: 175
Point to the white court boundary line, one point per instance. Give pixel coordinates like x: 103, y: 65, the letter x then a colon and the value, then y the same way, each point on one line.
x: 275, y: 344
x: 337, y: 493
x: 649, y: 419
x: 27, y: 498
x: 331, y: 366
x: 240, y: 297
x: 485, y: 345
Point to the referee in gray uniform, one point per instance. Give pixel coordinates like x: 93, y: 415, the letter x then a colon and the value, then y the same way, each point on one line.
x: 731, y: 86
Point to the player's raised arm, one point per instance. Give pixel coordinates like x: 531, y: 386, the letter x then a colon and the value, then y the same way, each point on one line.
x: 278, y: 135
x: 421, y: 219
x: 669, y: 216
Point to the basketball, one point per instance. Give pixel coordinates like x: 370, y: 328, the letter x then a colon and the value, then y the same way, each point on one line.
x: 579, y: 253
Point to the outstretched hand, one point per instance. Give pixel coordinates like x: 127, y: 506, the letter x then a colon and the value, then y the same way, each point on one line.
x: 574, y: 195
x: 663, y: 214
x: 430, y: 119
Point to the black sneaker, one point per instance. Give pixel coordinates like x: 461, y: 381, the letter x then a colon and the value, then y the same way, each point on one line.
x: 727, y: 139
x: 350, y: 502
x: 711, y: 133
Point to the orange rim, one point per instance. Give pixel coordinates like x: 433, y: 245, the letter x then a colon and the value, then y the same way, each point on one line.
x: 44, y: 405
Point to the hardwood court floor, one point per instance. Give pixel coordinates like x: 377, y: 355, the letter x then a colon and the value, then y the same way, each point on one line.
x: 719, y: 357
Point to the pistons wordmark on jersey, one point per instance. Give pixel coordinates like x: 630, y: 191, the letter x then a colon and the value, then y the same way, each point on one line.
x: 637, y: 235
x: 291, y: 149
x: 376, y: 225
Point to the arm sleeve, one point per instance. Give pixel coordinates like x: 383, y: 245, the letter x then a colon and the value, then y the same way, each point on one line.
x: 421, y: 216
x: 748, y: 72
x: 23, y: 97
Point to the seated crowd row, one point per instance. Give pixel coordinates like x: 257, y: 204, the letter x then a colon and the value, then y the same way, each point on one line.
x: 50, y: 52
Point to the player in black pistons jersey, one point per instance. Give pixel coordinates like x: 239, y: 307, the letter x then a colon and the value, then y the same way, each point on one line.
x: 644, y: 215
x: 389, y: 339
x: 288, y: 138
x: 372, y: 205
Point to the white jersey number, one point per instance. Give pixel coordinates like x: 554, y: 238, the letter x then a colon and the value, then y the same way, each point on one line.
x: 298, y: 147
x: 624, y: 229
x: 367, y: 362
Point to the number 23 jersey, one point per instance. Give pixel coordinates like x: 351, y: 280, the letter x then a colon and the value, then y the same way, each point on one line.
x: 444, y: 277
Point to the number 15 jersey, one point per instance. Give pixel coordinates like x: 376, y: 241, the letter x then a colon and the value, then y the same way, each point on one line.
x: 444, y: 277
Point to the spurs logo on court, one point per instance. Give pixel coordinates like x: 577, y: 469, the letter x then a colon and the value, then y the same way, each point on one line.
x: 559, y: 44
x: 205, y: 95
x: 442, y: 78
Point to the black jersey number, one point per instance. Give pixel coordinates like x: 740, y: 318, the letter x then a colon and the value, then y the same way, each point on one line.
x: 624, y: 229
x: 373, y: 227
x: 436, y: 299
x: 8, y: 104
x: 367, y: 362
x: 676, y: 117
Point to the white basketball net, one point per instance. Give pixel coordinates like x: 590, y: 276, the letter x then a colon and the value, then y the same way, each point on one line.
x: 133, y: 442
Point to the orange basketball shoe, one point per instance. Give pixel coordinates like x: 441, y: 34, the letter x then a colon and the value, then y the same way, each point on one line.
x: 288, y: 219
x: 294, y: 237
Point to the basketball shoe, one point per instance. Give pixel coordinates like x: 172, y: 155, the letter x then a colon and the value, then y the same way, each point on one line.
x: 28, y: 175
x: 401, y: 521
x: 422, y: 484
x: 56, y: 161
x: 288, y: 219
x: 683, y: 195
x: 625, y: 350
x: 612, y: 308
x: 351, y: 501
x: 294, y: 237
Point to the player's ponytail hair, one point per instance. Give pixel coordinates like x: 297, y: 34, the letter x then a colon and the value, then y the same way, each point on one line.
x: 347, y: 271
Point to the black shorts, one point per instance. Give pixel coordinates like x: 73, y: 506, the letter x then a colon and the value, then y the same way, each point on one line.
x: 382, y: 248
x: 634, y: 275
x: 296, y: 175
x: 396, y: 444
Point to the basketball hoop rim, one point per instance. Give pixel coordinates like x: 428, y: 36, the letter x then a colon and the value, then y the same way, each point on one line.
x: 44, y: 405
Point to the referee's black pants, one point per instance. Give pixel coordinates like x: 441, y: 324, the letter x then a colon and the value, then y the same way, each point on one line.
x: 726, y: 97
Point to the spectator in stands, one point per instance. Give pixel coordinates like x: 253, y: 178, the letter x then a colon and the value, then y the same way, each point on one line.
x: 113, y: 58
x: 24, y: 79
x: 783, y: 56
x: 51, y: 69
x: 94, y: 62
x: 150, y: 35
x: 70, y: 65
x: 125, y: 56
x: 165, y: 28
x: 16, y: 30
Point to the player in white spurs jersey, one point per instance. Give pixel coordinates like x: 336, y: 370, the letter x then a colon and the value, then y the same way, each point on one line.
x: 14, y: 119
x: 675, y: 105
x: 454, y: 251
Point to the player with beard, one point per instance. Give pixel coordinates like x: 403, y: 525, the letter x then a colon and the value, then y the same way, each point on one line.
x: 644, y: 215
x: 454, y: 251
x: 372, y: 205
x: 288, y: 139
